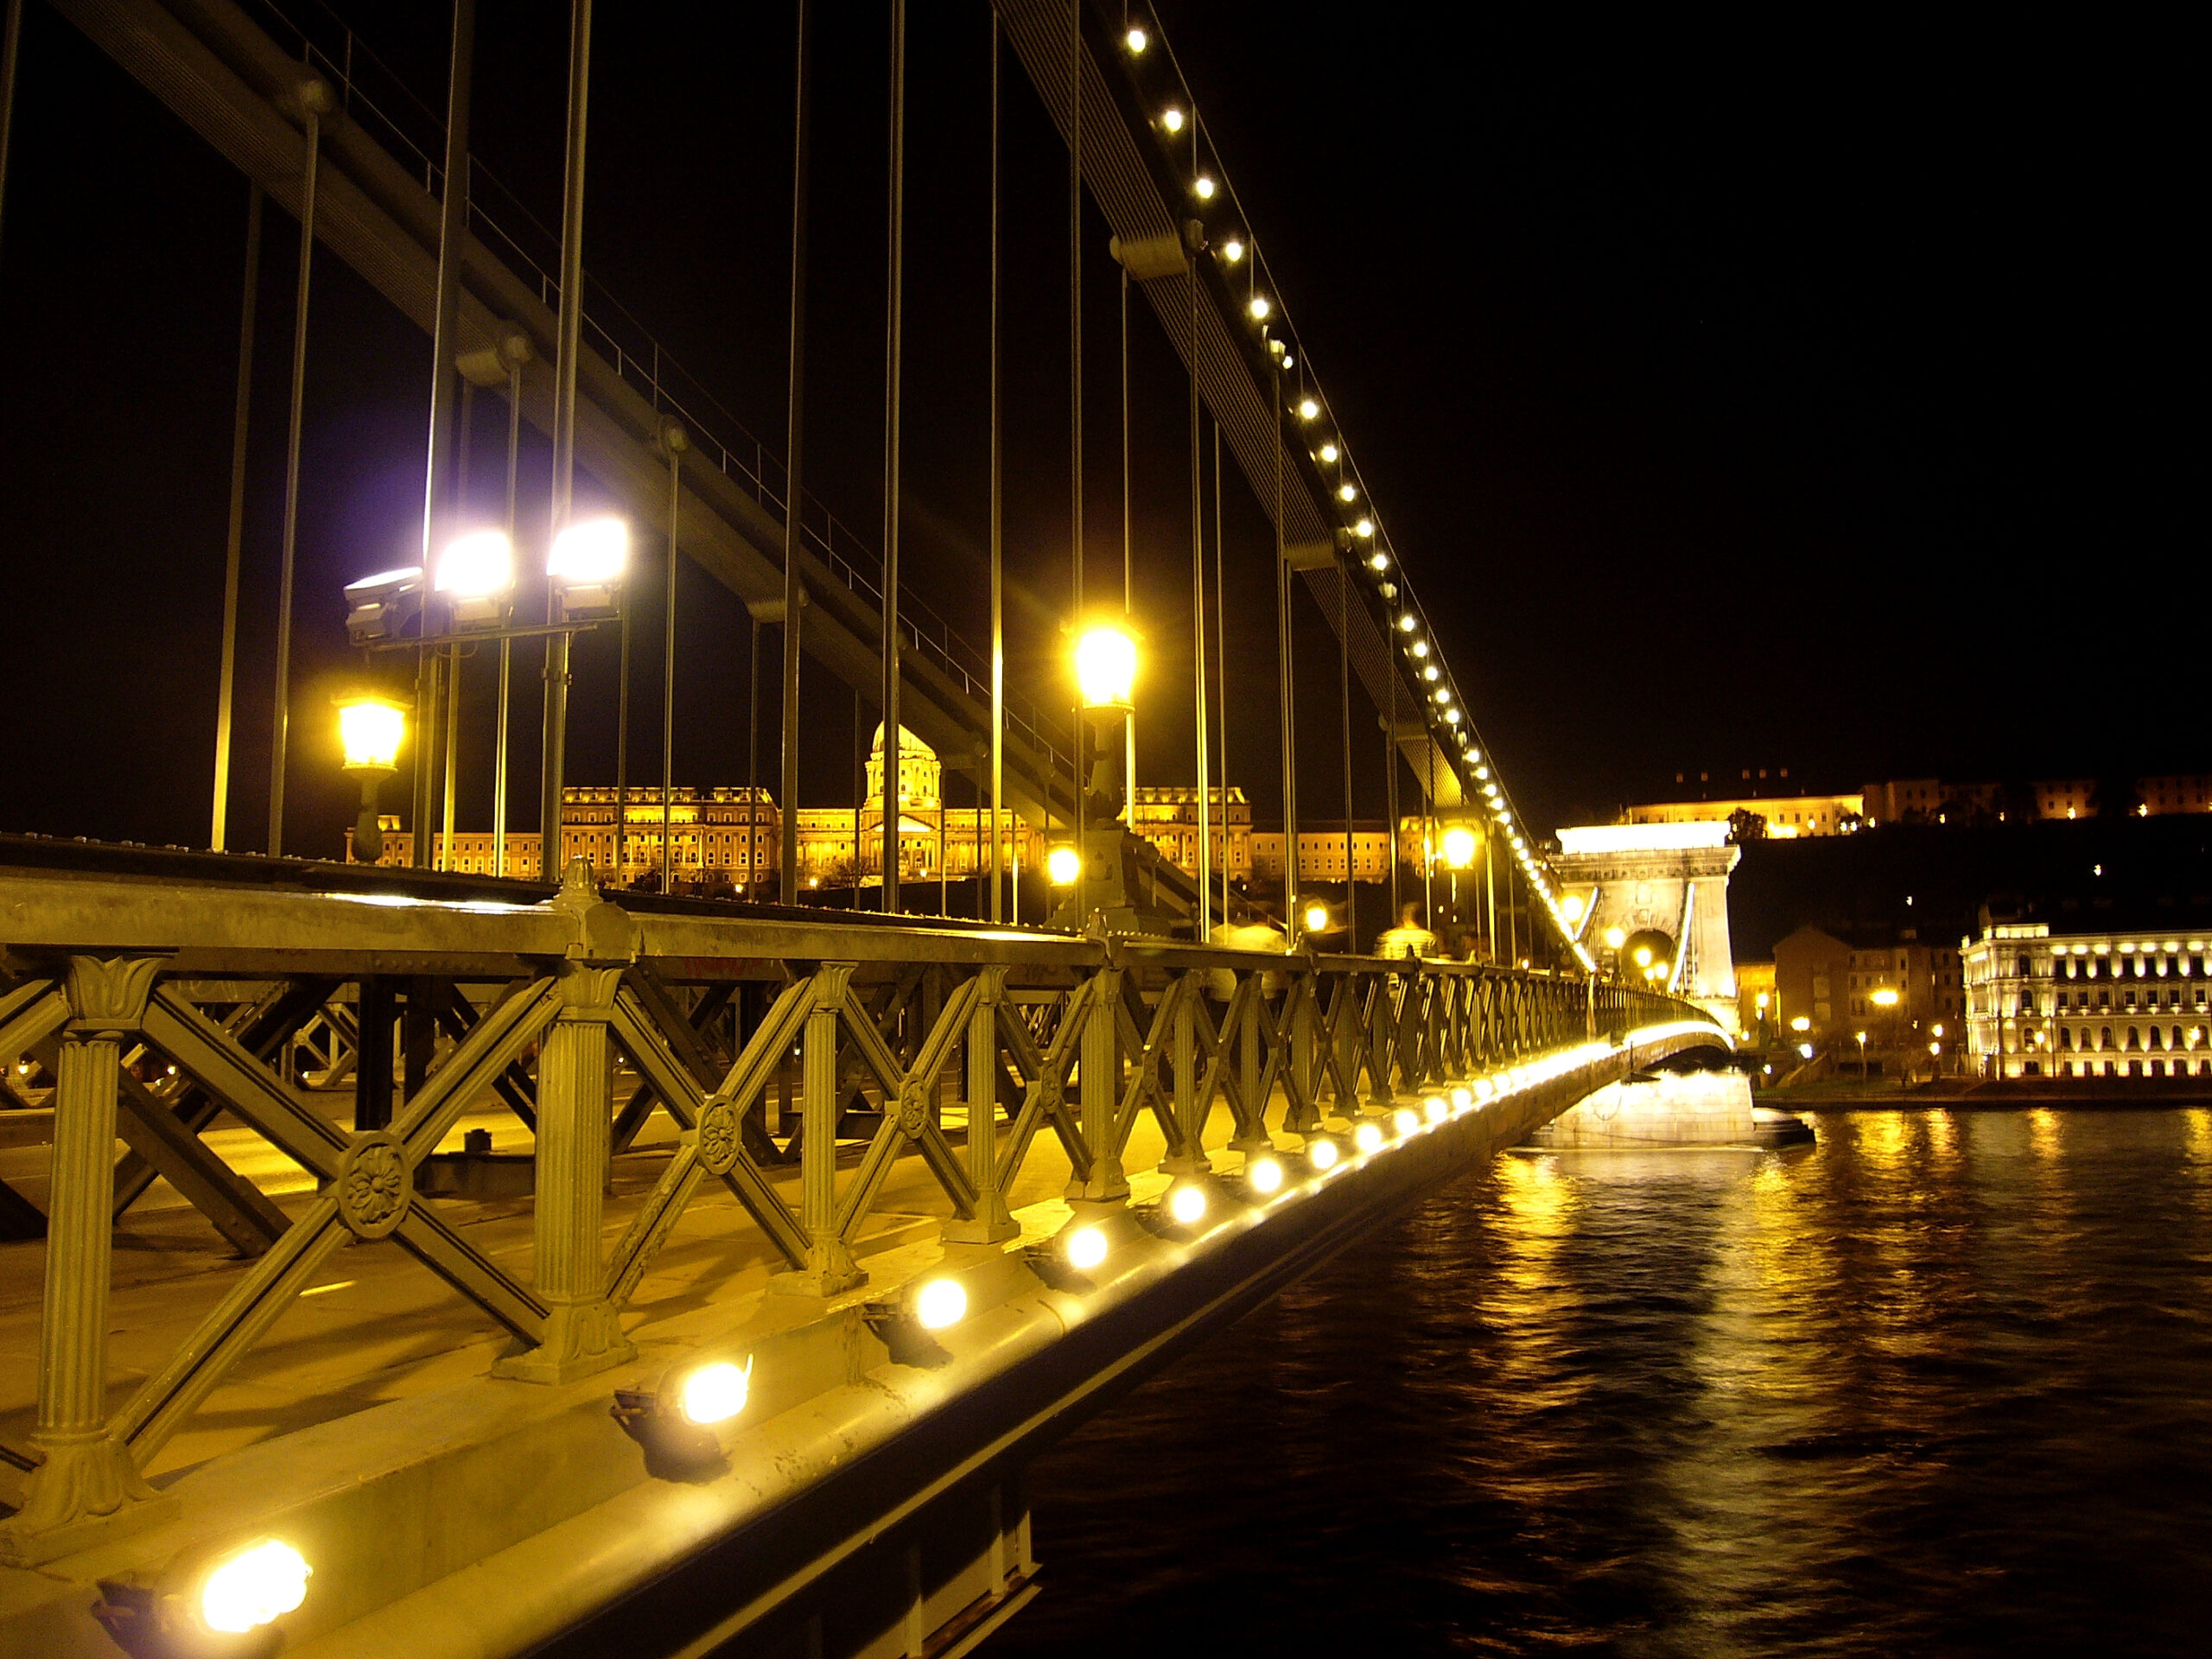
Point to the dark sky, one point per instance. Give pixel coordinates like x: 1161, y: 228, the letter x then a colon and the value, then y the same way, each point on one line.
x: 1805, y: 396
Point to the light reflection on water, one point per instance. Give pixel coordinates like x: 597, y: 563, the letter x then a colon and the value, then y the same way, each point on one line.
x: 1942, y: 1384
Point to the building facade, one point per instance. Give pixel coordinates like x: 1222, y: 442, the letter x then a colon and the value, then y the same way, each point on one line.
x: 732, y: 836
x: 2102, y: 1004
x: 1903, y: 992
x: 1168, y: 818
x: 1321, y: 853
x: 1788, y: 817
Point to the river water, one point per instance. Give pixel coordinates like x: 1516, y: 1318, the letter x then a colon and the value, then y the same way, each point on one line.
x: 1941, y: 1384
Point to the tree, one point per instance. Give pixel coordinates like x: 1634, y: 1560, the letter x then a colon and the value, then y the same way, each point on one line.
x: 1743, y: 824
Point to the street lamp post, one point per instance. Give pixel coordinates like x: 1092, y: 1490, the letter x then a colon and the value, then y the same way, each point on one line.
x: 1105, y: 672
x: 1458, y: 854
x: 370, y: 727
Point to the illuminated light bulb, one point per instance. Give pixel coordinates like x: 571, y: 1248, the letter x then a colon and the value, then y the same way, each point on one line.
x: 1322, y: 1155
x: 1203, y: 186
x: 1329, y: 451
x: 1405, y: 1120
x: 1233, y: 249
x: 1264, y: 1175
x: 1171, y: 119
x: 1346, y: 493
x: 1063, y: 865
x: 1406, y: 624
x: 1368, y: 1137
x: 716, y: 1393
x: 1481, y: 771
x: 481, y: 565
x: 1086, y: 1248
x: 1484, y: 1087
x: 1378, y: 562
x: 1188, y: 1206
x: 1434, y: 1110
x: 1443, y: 694
x: 1258, y: 306
x: 1288, y: 361
x: 1420, y: 647
x: 1452, y: 716
x: 1474, y: 755
x: 261, y: 1582
x: 1463, y: 1097
x: 942, y: 1302
x: 1365, y: 527
x: 1136, y: 39
x: 591, y: 554
x: 1317, y: 918
x: 1307, y: 409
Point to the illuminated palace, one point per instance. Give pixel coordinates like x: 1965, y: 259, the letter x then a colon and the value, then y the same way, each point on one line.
x: 2066, y: 1004
x: 732, y: 836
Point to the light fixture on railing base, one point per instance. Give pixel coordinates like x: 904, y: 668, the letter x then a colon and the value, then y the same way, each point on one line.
x: 1405, y: 1120
x: 229, y: 1610
x: 1263, y: 1175
x: 673, y: 1423
x: 1367, y: 1136
x: 1323, y: 1153
x: 1085, y: 1247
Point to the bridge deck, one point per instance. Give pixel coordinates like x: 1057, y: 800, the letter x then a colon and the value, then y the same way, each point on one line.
x: 378, y: 1326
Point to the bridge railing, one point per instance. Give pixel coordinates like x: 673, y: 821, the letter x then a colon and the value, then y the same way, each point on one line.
x: 153, y: 1010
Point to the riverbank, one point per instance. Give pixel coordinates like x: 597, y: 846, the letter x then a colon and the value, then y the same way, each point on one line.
x: 2009, y: 1094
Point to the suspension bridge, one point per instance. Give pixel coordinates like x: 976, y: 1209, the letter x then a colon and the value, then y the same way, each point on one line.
x: 764, y: 1244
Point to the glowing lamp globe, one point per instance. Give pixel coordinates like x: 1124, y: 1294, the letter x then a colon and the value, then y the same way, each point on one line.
x: 370, y: 731
x: 1458, y: 847
x: 1106, y: 668
x: 1063, y: 865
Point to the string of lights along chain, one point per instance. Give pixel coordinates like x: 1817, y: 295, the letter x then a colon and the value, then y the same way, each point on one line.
x: 1190, y: 156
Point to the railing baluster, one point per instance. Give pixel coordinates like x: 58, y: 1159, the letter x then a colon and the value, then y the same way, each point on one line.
x: 85, y: 1487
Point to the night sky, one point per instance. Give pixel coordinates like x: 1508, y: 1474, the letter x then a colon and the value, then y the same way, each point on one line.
x: 1806, y: 397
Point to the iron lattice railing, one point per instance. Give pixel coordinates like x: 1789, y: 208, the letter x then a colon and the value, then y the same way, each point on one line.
x: 241, y: 999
